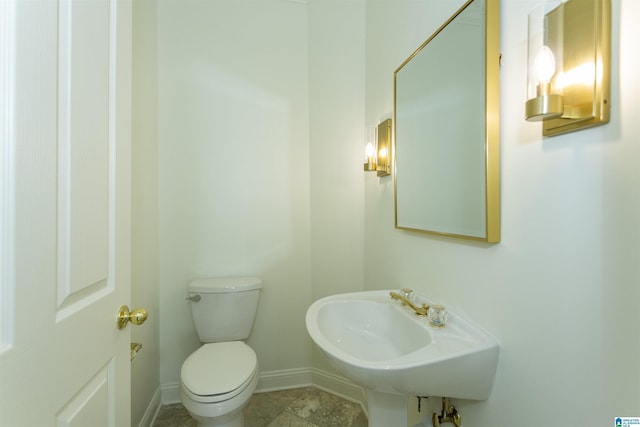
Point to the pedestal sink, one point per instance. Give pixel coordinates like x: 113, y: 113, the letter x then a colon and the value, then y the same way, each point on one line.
x: 394, y: 354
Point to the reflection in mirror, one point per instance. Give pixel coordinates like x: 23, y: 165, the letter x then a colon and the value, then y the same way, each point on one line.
x: 447, y: 129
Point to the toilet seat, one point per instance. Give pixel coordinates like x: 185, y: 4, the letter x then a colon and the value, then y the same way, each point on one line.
x: 218, y: 371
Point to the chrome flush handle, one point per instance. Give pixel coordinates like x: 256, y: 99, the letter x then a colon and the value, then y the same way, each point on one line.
x: 193, y: 298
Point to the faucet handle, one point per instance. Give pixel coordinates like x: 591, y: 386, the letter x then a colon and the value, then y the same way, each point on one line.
x: 406, y: 292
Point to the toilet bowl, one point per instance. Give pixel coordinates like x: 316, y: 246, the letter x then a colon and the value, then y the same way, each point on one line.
x: 218, y: 379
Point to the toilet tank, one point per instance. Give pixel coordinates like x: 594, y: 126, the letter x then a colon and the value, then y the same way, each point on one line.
x: 224, y: 309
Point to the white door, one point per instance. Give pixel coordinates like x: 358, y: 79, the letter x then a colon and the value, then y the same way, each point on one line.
x: 64, y: 212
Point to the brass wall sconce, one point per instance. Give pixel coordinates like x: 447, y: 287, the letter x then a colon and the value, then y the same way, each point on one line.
x: 371, y: 140
x: 568, y: 81
x: 378, y: 149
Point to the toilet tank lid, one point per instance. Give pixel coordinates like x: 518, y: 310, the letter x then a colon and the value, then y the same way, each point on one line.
x: 217, y: 285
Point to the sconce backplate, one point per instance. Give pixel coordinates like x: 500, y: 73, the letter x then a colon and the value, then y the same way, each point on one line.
x: 586, y: 41
x: 384, y: 148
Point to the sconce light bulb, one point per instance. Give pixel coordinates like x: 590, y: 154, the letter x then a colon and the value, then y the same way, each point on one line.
x: 545, y: 105
x: 370, y: 165
x: 369, y: 151
x: 545, y: 64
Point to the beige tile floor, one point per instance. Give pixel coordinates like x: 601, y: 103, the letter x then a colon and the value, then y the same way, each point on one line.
x: 303, y: 407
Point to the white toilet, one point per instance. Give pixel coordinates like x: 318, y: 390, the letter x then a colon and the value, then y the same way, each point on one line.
x: 217, y: 380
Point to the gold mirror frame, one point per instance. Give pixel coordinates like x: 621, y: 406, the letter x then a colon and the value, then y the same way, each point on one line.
x: 491, y: 138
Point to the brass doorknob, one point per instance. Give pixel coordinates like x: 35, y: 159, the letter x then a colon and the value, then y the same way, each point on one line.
x: 137, y: 316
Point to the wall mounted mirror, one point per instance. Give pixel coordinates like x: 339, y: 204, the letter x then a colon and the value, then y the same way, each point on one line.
x: 446, y: 124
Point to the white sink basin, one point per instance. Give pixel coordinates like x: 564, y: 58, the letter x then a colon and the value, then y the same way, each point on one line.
x: 383, y: 346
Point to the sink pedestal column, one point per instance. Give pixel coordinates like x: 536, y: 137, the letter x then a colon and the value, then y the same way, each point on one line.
x: 387, y: 409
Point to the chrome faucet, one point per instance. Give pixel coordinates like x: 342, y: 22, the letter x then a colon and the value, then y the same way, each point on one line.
x: 420, y: 311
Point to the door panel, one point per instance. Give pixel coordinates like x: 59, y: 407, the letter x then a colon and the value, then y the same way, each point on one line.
x: 85, y: 51
x: 92, y: 405
x: 65, y: 224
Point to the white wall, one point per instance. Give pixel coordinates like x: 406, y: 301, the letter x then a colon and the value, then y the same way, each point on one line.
x: 336, y: 104
x: 234, y: 168
x: 560, y: 291
x: 144, y: 204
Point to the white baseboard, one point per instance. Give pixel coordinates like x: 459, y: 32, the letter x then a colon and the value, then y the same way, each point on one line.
x: 151, y: 413
x: 284, y: 379
x: 170, y: 393
x: 340, y: 386
x: 287, y: 379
